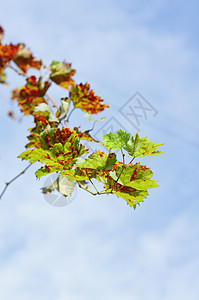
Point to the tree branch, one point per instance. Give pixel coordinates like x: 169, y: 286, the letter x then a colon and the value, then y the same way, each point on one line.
x: 8, y: 183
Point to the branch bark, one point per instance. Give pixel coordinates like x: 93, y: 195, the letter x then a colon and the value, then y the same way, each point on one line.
x: 13, y: 179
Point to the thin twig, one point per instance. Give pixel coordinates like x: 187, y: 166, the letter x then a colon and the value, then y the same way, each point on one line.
x: 94, y: 186
x: 92, y: 126
x: 70, y: 114
x: 86, y: 189
x: 8, y: 183
x: 123, y: 155
x: 53, y: 102
x: 131, y: 160
x: 19, y: 71
x: 104, y: 192
x: 92, y: 183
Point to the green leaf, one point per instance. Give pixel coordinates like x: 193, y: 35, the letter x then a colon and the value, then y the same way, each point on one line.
x: 57, y: 156
x: 101, y: 119
x: 147, y: 148
x: 55, y: 64
x: 2, y: 77
x: 134, y: 176
x: 115, y: 177
x: 143, y: 184
x: 34, y: 155
x: 131, y: 145
x: 49, y: 131
x: 132, y: 197
x: 116, y: 140
x: 87, y: 115
x: 116, y: 186
x: 62, y: 185
x: 111, y: 159
x: 42, y: 171
x: 75, y: 175
x: 137, y: 147
x: 137, y: 176
x: 98, y: 160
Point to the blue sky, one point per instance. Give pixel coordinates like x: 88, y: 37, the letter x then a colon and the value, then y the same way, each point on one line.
x: 99, y: 247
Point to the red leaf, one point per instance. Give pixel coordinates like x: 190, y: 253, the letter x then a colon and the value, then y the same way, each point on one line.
x: 85, y: 99
x: 30, y: 95
x: 7, y: 53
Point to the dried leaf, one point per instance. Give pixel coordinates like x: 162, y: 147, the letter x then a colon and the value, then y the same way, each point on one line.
x: 61, y: 74
x: 24, y: 59
x: 62, y: 185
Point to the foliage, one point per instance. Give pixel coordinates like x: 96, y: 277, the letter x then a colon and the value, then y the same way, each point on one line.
x: 58, y: 148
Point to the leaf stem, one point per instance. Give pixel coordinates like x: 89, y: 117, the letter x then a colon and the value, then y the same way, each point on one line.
x: 86, y: 189
x: 92, y: 126
x: 92, y: 183
x: 19, y: 71
x: 70, y: 113
x: 94, y: 186
x: 131, y: 160
x: 123, y: 156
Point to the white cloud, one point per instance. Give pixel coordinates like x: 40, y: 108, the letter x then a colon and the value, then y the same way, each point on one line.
x: 67, y: 253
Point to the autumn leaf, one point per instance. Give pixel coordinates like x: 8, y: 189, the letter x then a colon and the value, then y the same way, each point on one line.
x: 51, y: 136
x: 1, y: 33
x: 2, y: 76
x: 85, y: 135
x: 59, y: 151
x: 7, y: 52
x: 24, y: 59
x: 41, y: 123
x: 30, y: 95
x: 61, y: 74
x: 85, y: 99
